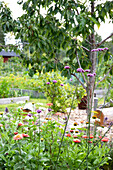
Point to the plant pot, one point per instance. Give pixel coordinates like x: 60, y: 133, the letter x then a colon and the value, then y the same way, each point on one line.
x: 83, y: 104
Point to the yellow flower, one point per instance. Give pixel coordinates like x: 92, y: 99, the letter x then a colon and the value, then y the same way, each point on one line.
x: 94, y: 117
x: 41, y: 139
x: 75, y: 124
x: 1, y: 113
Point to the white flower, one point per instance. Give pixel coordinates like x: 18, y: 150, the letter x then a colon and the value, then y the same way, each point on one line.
x: 97, y: 119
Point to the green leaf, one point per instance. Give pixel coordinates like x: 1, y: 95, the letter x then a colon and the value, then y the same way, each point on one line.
x: 106, y: 56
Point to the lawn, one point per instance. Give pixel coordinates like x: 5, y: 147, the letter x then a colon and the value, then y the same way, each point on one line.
x: 14, y: 106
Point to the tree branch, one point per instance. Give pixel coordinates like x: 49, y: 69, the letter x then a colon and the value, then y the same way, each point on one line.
x: 103, y: 77
x: 8, y: 45
x: 88, y: 42
x: 80, y: 67
x: 79, y: 80
x: 104, y: 40
x: 85, y: 48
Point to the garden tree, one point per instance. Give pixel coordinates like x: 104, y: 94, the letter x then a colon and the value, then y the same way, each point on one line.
x: 65, y: 24
x: 1, y: 36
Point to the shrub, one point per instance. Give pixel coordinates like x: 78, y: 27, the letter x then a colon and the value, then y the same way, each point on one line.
x: 4, y: 88
x: 61, y: 93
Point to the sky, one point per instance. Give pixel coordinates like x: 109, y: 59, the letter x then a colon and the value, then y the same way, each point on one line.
x: 104, y: 31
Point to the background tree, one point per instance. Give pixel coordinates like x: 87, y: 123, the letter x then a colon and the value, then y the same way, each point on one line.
x: 65, y: 25
x: 2, y: 36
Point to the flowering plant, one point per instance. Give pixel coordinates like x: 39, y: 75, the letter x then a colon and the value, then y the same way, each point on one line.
x: 35, y: 143
x: 59, y: 92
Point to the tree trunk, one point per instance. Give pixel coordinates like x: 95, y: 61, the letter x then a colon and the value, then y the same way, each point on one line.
x: 91, y: 80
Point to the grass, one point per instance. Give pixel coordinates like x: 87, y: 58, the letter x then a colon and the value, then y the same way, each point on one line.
x: 14, y: 106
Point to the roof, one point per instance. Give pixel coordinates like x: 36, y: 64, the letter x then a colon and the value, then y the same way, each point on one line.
x: 8, y: 54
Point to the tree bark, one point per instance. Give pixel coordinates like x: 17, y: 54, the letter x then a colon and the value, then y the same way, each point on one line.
x: 91, y: 80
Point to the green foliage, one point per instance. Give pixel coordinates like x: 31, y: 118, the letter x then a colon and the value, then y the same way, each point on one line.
x: 24, y: 82
x: 4, y: 88
x: 40, y: 149
x: 48, y: 34
x: 110, y: 96
x: 61, y: 93
x: 12, y: 66
x: 60, y: 96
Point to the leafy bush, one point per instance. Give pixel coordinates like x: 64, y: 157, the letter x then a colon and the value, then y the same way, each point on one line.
x: 4, y: 88
x: 60, y: 93
x: 24, y: 82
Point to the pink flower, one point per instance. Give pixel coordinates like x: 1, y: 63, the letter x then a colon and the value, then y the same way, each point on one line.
x: 20, y: 124
x: 71, y: 131
x: 93, y: 50
x: 85, y: 136
x: 49, y: 104
x: 91, y: 136
x: 67, y: 67
x: 105, y: 139
x: 87, y: 70
x: 68, y: 135
x: 25, y: 135
x: 48, y: 83
x: 100, y: 137
x: 77, y: 140
x: 94, y: 74
x: 80, y: 70
x: 89, y: 141
x: 58, y: 114
x: 90, y: 75
x: 18, y: 136
x: 61, y: 84
x: 75, y: 136
x: 15, y: 133
x: 54, y: 81
x: 106, y: 48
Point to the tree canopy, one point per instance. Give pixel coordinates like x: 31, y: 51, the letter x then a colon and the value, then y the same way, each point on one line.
x: 64, y: 26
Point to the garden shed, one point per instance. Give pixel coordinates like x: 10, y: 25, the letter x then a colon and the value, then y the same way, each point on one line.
x: 8, y: 54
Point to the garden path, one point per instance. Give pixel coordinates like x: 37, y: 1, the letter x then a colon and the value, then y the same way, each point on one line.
x: 78, y: 116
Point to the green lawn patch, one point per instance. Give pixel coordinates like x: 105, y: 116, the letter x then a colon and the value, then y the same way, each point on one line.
x: 14, y: 106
